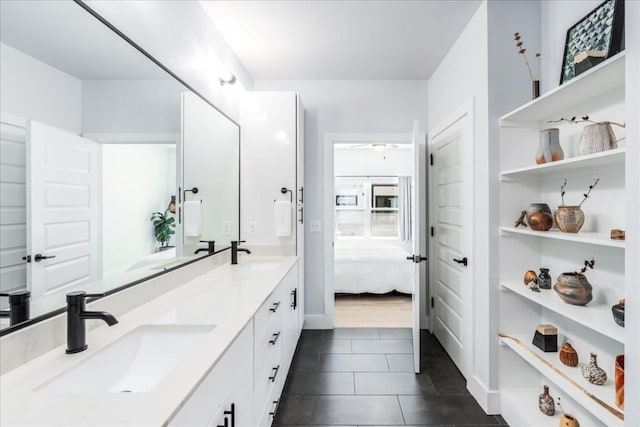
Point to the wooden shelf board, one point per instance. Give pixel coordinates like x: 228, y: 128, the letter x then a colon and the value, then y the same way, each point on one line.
x: 605, y: 393
x: 590, y: 161
x: 590, y: 238
x: 598, y: 318
x: 519, y: 407
x: 601, y: 79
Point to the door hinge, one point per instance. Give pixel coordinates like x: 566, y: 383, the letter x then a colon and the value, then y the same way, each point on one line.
x: 431, y: 159
x: 432, y: 302
x: 433, y: 232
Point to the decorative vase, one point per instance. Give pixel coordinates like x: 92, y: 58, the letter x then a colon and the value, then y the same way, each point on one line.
x: 569, y: 219
x: 596, y: 138
x: 549, y: 149
x: 574, y: 288
x: 568, y: 355
x: 593, y: 373
x: 618, y: 313
x: 544, y: 279
x: 567, y: 420
x: 535, y: 89
x: 620, y: 381
x: 539, y: 217
x: 545, y: 402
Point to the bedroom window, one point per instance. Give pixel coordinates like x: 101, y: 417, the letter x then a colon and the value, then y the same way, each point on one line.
x: 384, y: 210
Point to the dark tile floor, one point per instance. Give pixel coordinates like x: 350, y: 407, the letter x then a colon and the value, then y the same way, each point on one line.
x: 364, y: 377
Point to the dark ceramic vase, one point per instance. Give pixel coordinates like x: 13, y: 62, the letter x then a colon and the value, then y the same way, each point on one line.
x: 539, y: 217
x: 574, y: 288
x: 544, y: 279
x: 618, y: 313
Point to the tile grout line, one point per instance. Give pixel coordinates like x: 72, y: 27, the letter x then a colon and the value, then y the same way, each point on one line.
x: 401, y: 411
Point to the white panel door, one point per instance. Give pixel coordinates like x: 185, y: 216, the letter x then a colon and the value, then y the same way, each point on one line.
x: 451, y: 280
x: 417, y: 258
x: 63, y: 178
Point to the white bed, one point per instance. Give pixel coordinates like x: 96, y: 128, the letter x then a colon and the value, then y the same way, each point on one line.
x: 372, y: 266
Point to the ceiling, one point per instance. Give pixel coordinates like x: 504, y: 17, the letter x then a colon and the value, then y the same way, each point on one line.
x: 65, y: 36
x: 331, y: 39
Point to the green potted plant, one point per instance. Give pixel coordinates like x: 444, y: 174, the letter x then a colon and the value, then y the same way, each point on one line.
x: 163, y: 227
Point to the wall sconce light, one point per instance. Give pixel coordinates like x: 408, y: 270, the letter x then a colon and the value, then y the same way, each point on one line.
x: 379, y: 147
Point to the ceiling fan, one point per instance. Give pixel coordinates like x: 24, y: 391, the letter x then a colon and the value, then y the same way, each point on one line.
x: 376, y: 146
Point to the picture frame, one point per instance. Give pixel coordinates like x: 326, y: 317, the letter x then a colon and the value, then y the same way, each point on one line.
x: 598, y: 36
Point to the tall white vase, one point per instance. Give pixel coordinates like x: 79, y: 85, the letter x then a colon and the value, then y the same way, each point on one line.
x: 549, y: 149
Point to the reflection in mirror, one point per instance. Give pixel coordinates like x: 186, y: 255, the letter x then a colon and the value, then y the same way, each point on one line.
x: 89, y: 160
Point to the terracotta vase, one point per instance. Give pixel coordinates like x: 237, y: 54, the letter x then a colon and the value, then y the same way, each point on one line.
x: 620, y: 381
x: 569, y: 219
x: 539, y: 217
x: 549, y: 149
x: 567, y: 420
x: 568, y: 355
x: 574, y: 288
x: 596, y: 138
x: 593, y: 373
x: 545, y: 402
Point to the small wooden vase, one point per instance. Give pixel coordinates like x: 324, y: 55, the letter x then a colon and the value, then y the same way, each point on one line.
x: 620, y: 381
x: 567, y: 420
x: 568, y: 355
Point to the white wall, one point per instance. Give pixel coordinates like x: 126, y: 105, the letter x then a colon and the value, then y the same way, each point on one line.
x: 34, y: 90
x: 557, y: 17
x: 395, y: 162
x: 131, y: 106
x: 497, y: 80
x: 136, y: 182
x: 180, y: 35
x: 343, y: 106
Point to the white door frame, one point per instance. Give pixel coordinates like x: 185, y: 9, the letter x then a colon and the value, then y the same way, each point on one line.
x: 327, y: 319
x: 465, y: 110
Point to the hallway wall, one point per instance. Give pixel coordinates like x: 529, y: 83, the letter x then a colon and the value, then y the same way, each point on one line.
x: 388, y: 106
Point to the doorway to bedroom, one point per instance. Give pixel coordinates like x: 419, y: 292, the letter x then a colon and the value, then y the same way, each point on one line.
x: 373, y: 281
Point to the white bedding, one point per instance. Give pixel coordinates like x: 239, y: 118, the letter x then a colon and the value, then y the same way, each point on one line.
x: 372, y: 266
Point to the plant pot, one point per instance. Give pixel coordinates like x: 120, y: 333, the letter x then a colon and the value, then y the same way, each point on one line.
x: 593, y: 373
x: 596, y: 138
x: 549, y: 149
x: 569, y: 219
x: 567, y: 420
x: 539, y: 217
x: 618, y: 313
x: 620, y: 381
x: 574, y: 288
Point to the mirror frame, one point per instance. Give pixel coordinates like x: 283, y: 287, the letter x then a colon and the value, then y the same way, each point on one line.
x: 45, y: 316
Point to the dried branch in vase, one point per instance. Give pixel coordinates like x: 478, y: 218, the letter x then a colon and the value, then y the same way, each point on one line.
x: 522, y: 51
x: 585, y: 119
x: 588, y: 264
x: 586, y: 195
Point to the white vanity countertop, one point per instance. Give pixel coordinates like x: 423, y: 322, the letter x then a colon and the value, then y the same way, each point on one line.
x: 227, y: 297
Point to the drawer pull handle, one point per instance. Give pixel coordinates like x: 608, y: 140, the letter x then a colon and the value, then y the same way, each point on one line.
x: 294, y: 296
x: 226, y: 423
x: 275, y: 374
x: 273, y: 340
x: 276, y: 403
x: 274, y: 307
x: 232, y: 413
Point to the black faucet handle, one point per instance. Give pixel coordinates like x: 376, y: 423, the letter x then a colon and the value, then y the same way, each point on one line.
x: 78, y: 296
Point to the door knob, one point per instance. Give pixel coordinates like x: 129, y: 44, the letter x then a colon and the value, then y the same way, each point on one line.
x: 40, y: 257
x: 417, y: 258
x: 462, y: 261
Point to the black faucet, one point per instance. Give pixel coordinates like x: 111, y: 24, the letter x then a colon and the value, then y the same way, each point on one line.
x: 18, y: 307
x: 211, y: 244
x: 76, y: 315
x: 235, y: 249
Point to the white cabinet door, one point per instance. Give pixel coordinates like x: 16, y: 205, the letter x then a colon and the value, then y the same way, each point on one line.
x: 237, y: 409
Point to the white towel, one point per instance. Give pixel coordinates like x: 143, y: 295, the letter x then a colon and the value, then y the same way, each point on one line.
x: 282, y: 218
x: 192, y: 217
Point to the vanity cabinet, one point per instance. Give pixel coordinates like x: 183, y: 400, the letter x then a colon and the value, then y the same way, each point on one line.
x: 590, y: 328
x: 243, y: 388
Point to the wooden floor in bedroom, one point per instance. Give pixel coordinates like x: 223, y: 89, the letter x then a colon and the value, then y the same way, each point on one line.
x: 373, y: 311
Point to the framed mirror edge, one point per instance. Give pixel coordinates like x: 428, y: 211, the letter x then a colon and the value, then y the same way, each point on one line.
x: 13, y: 328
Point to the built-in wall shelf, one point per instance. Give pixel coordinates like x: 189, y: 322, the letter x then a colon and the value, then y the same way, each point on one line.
x: 605, y: 158
x: 593, y: 316
x: 558, y: 373
x: 520, y: 405
x: 601, y: 79
x: 602, y: 239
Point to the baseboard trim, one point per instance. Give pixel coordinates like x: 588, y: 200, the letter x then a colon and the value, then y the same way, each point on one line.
x: 489, y: 400
x: 317, y: 321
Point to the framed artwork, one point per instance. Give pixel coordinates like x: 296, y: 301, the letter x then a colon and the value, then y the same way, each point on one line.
x: 596, y: 37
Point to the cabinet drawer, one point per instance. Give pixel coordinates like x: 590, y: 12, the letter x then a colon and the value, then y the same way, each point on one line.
x: 265, y: 347
x: 265, y: 382
x: 270, y: 312
x: 206, y: 400
x: 271, y: 406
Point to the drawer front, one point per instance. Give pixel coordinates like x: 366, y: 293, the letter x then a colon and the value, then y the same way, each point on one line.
x: 271, y: 376
x: 273, y: 401
x: 206, y: 401
x: 267, y: 346
x: 269, y: 313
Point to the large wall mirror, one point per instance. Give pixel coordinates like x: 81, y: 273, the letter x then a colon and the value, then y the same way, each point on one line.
x: 100, y: 147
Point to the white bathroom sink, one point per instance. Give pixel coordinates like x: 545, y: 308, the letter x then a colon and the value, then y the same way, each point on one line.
x: 135, y: 363
x: 263, y: 265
